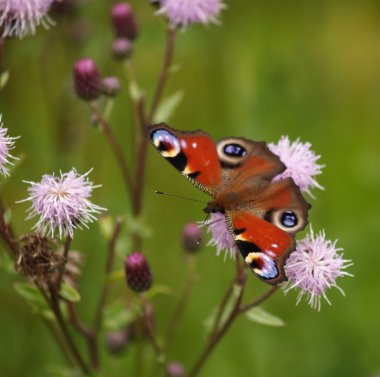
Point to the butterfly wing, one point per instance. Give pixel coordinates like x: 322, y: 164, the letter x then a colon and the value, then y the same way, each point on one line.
x: 192, y: 153
x: 264, y: 231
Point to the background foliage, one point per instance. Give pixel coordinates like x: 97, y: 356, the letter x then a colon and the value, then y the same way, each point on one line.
x: 306, y: 69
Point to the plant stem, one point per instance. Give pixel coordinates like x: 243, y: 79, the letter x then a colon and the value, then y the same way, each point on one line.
x: 108, y: 269
x: 1, y: 54
x: 184, y: 299
x: 144, y: 122
x: 66, y: 250
x: 88, y: 334
x: 218, y: 333
x: 222, y: 306
x: 116, y: 149
x: 260, y: 299
x: 171, y: 32
x: 149, y: 329
x: 65, y: 332
x: 215, y: 338
x: 7, y: 235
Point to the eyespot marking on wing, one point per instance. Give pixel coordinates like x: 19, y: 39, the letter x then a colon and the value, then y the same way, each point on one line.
x: 232, y: 152
x: 166, y: 143
x: 262, y: 265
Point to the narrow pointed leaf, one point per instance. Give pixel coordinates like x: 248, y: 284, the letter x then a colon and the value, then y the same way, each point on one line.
x: 167, y: 107
x: 261, y: 316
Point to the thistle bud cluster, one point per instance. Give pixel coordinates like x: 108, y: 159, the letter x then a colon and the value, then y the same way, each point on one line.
x: 125, y: 28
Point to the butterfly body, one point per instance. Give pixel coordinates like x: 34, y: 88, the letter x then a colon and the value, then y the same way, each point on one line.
x: 262, y: 215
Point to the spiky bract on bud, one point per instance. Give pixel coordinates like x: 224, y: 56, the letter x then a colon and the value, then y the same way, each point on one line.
x: 111, y: 86
x: 191, y: 237
x: 124, y: 21
x: 137, y: 272
x: 122, y: 48
x: 87, y: 80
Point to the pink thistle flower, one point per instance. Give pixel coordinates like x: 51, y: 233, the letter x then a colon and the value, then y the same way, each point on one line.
x: 314, y: 267
x: 19, y: 18
x: 300, y: 161
x: 186, y: 12
x: 221, y: 236
x: 62, y: 203
x: 6, y: 144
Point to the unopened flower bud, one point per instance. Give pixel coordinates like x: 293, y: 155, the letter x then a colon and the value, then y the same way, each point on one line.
x: 124, y: 21
x: 122, y: 48
x: 111, y: 86
x: 175, y: 369
x: 87, y: 81
x: 137, y: 272
x: 191, y: 237
x: 116, y: 341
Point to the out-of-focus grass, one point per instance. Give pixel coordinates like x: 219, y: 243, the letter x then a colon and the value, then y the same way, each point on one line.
x: 306, y: 69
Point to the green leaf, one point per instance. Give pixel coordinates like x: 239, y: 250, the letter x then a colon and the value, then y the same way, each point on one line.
x: 116, y: 276
x: 261, y: 316
x: 210, y: 320
x: 134, y: 91
x: 4, y: 77
x: 117, y: 315
x: 157, y: 290
x: 32, y: 295
x: 106, y: 224
x: 7, y: 216
x: 167, y: 107
x: 60, y: 371
x: 69, y: 293
x: 7, y: 264
x: 139, y: 226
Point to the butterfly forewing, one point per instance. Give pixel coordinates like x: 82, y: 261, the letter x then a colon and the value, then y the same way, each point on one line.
x: 192, y: 153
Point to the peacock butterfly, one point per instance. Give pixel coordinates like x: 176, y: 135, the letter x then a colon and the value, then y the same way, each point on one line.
x: 263, y: 216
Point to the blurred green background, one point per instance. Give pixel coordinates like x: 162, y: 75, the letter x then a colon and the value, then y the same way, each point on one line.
x: 308, y: 69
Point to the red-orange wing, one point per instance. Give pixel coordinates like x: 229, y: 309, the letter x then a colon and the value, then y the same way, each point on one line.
x: 192, y: 153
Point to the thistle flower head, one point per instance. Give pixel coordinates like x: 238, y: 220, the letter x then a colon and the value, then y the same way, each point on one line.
x: 314, y: 267
x: 19, y: 18
x: 300, y: 161
x: 62, y: 203
x: 137, y: 272
x: 6, y: 144
x: 187, y: 12
x: 221, y: 236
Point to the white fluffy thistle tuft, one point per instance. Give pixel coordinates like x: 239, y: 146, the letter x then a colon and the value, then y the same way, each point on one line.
x: 314, y: 267
x: 300, y: 161
x: 19, y: 18
x: 62, y: 203
x: 187, y: 12
x: 221, y: 236
x: 6, y: 144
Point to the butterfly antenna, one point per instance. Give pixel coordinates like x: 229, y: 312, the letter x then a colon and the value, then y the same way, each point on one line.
x: 178, y: 196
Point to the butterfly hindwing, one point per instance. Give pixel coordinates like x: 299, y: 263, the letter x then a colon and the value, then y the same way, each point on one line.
x: 264, y: 231
x: 263, y: 246
x: 192, y: 153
